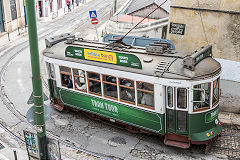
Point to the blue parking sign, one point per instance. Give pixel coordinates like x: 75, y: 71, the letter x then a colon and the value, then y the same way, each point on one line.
x: 93, y: 14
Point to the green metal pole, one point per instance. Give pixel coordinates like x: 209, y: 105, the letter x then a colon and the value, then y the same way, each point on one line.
x: 36, y: 79
x: 115, y: 6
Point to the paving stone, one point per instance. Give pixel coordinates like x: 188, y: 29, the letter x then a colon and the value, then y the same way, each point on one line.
x: 61, y: 122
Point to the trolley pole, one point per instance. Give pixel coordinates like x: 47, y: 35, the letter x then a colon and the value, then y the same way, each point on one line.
x: 36, y: 79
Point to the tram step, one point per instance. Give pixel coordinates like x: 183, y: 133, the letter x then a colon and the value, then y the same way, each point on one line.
x: 178, y: 144
x: 175, y: 137
x: 58, y: 107
x: 177, y: 141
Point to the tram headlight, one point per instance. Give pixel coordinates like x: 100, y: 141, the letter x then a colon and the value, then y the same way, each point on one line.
x: 208, y: 135
x: 216, y: 121
x: 211, y: 132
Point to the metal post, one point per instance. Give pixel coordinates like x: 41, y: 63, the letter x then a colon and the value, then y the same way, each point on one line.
x: 15, y: 155
x: 8, y: 36
x: 96, y: 32
x: 36, y: 79
x: 115, y: 6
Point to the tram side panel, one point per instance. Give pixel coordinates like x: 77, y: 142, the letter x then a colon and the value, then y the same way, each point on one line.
x: 144, y: 119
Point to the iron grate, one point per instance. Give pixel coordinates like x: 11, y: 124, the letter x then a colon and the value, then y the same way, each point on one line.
x: 1, y: 146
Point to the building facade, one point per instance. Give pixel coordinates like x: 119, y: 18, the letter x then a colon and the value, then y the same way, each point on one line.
x: 13, y: 12
x: 11, y: 15
x: 215, y: 22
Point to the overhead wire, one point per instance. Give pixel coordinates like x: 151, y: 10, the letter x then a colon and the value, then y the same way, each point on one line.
x: 202, y: 23
x: 142, y: 20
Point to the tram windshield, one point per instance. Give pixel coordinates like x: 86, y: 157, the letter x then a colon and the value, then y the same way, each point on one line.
x: 201, y: 97
x: 216, y: 91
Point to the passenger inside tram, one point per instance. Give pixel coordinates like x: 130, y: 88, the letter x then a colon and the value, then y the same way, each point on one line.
x: 67, y: 81
x: 80, y: 80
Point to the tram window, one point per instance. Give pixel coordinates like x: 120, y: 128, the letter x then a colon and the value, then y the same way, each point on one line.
x: 182, y: 120
x: 110, y: 86
x: 79, y: 79
x: 182, y: 98
x: 93, y: 75
x: 94, y: 83
x: 216, y: 91
x: 65, y: 69
x: 145, y: 94
x: 66, y: 77
x: 201, y: 96
x: 127, y: 90
x: 171, y: 119
x: 170, y: 97
x: 145, y: 86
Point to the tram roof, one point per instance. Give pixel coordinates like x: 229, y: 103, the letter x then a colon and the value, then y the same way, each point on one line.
x: 158, y: 65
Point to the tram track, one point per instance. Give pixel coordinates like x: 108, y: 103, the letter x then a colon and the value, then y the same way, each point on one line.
x: 10, y: 105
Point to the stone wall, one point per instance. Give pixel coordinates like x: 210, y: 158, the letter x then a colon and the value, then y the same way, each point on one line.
x: 216, y: 23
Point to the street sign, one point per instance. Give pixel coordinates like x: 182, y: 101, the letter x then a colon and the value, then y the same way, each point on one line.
x: 94, y: 21
x: 93, y: 14
x: 31, y: 144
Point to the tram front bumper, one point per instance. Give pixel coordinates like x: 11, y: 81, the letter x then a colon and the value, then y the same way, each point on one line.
x: 206, y: 136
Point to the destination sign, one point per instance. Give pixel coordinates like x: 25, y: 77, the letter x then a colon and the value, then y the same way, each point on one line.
x: 203, y: 54
x: 121, y: 59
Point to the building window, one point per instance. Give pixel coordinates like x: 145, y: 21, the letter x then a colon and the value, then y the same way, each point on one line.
x: 127, y: 90
x: 66, y: 77
x: 145, y: 94
x: 201, y: 96
x: 13, y: 9
x: 94, y: 83
x: 170, y: 97
x: 110, y: 86
x: 182, y: 98
x: 79, y: 80
x: 216, y: 91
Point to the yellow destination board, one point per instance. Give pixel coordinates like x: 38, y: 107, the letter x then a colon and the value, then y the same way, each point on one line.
x: 100, y: 56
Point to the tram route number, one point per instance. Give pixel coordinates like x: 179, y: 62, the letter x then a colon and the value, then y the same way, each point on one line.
x: 211, y: 116
x: 177, y: 28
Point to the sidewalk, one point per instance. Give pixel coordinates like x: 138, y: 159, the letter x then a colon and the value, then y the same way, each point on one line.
x: 229, y: 119
x: 8, y: 38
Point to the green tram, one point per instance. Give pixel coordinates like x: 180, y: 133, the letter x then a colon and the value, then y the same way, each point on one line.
x: 145, y: 89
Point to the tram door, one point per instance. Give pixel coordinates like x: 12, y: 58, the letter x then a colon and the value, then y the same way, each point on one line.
x: 177, y: 110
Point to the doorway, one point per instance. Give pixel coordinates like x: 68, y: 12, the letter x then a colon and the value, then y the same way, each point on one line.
x: 40, y: 5
x: 177, y: 110
x: 1, y: 18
